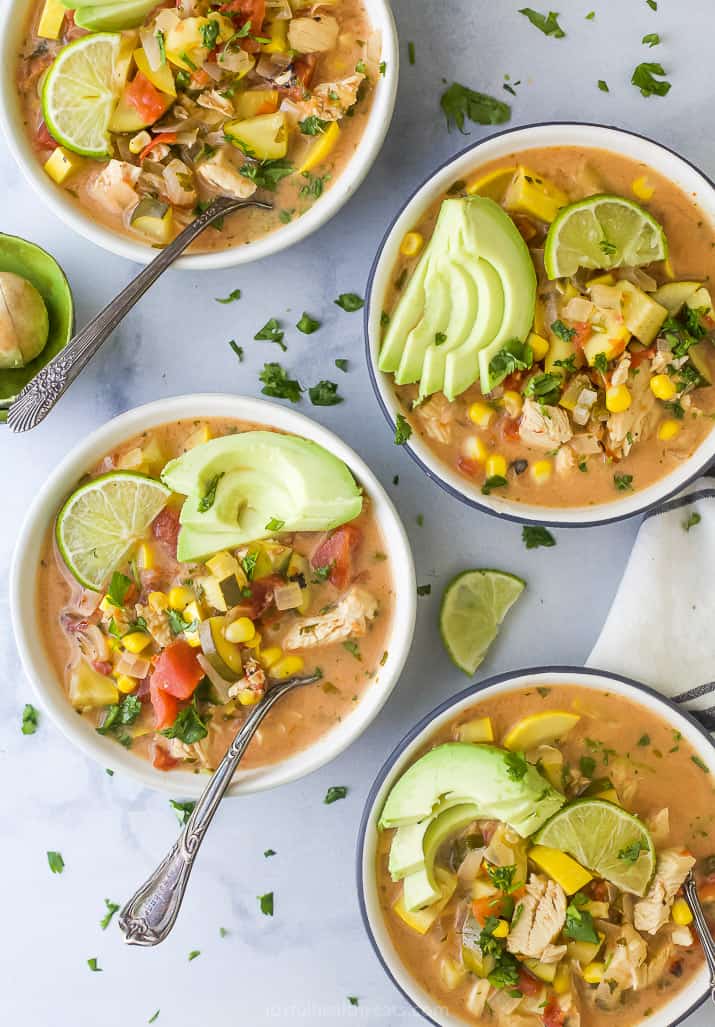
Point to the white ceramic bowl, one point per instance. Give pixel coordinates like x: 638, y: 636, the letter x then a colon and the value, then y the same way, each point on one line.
x: 629, y: 144
x: 682, y: 1004
x: 12, y: 26
x: 39, y: 521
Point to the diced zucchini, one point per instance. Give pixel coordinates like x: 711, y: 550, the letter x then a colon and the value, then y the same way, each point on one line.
x: 279, y: 556
x: 126, y: 118
x: 544, y: 971
x: 673, y: 295
x: 53, y: 14
x: 584, y: 952
x: 473, y: 959
x: 451, y: 973
x: 231, y: 589
x: 478, y: 730
x: 642, y: 315
x: 701, y: 359
x: 569, y: 397
x: 257, y: 101
x: 531, y: 193
x: 212, y: 592
x: 224, y: 656
x: 62, y: 164
x: 153, y: 218
x: 90, y: 690
x: 162, y: 78
x: 264, y: 137
x: 611, y: 341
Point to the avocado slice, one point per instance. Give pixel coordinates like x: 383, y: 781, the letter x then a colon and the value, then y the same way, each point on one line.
x: 258, y: 478
x: 420, y: 888
x: 407, y: 849
x: 113, y: 17
x: 474, y: 287
x: 502, y: 789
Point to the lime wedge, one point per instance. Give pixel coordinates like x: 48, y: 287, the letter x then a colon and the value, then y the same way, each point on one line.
x: 602, y: 232
x: 606, y: 839
x: 473, y: 606
x: 102, y: 520
x: 79, y: 94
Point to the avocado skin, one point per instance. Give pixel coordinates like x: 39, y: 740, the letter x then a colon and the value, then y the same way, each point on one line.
x: 476, y: 774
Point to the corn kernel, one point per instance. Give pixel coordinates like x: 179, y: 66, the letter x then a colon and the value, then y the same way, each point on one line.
x: 271, y: 656
x: 145, y: 557
x: 495, y: 466
x: 562, y: 980
x: 192, y: 612
x: 412, y: 244
x: 501, y: 930
x: 663, y: 387
x: 539, y: 345
x: 593, y: 973
x: 287, y: 666
x: 241, y: 630
x: 473, y: 448
x: 136, y: 641
x: 642, y: 188
x: 480, y: 414
x: 158, y: 601
x: 254, y: 643
x: 513, y: 402
x: 541, y: 471
x: 681, y: 913
x: 180, y: 597
x: 668, y: 429
x: 126, y: 684
x: 247, y: 697
x: 618, y: 398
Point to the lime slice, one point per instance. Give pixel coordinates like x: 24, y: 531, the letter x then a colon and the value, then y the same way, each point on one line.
x: 602, y: 232
x: 606, y: 839
x: 103, y: 519
x: 473, y: 606
x: 79, y: 94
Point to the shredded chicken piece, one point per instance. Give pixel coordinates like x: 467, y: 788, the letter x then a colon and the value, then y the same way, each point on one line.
x: 120, y: 616
x: 671, y: 869
x: 553, y: 954
x: 638, y: 421
x: 621, y: 371
x: 113, y: 186
x: 659, y: 826
x: 626, y: 954
x: 544, y: 427
x: 656, y: 966
x: 213, y: 101
x: 224, y: 178
x: 585, y: 444
x: 196, y: 751
x: 347, y: 619
x: 437, y: 415
x: 682, y: 936
x: 313, y: 35
x: 179, y: 180
x: 565, y: 460
x: 542, y: 916
x: 330, y: 100
x: 157, y: 624
x: 254, y: 679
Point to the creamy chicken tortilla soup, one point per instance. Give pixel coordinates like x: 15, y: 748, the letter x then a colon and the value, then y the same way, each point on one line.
x: 168, y: 617
x: 549, y: 327
x: 531, y: 861
x: 201, y: 99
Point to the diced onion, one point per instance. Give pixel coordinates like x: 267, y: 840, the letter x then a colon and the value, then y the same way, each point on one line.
x: 608, y: 297
x: 288, y: 597
x: 150, y: 45
x: 132, y: 665
x: 578, y: 309
x: 470, y: 866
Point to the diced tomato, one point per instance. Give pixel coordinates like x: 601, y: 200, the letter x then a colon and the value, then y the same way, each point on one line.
x: 336, y: 552
x: 638, y: 356
x: 165, y: 706
x: 163, y: 137
x: 103, y: 667
x: 43, y: 137
x: 513, y: 381
x: 162, y: 760
x: 468, y: 467
x: 260, y: 598
x: 598, y: 890
x: 200, y: 77
x: 490, y: 905
x: 583, y: 333
x: 177, y: 670
x: 553, y: 1015
x: 304, y: 68
x: 165, y: 528
x: 145, y: 98
x: 510, y: 428
x: 527, y: 984
x: 249, y: 10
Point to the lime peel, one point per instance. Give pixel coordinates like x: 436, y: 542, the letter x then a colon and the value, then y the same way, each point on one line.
x: 473, y: 607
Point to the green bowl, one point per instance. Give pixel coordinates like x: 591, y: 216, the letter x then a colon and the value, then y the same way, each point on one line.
x: 37, y: 266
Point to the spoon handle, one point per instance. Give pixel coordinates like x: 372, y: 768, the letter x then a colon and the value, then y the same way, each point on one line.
x: 703, y: 928
x: 41, y: 393
x: 150, y: 914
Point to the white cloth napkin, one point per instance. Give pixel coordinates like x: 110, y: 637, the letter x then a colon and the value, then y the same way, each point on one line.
x: 661, y: 626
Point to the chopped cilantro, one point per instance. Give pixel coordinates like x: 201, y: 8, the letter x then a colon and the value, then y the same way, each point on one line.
x: 267, y: 174
x: 119, y: 585
x: 266, y: 903
x: 643, y: 78
x: 349, y: 302
x: 353, y: 648
x: 587, y: 765
x: 209, y: 33
x: 307, y: 324
x: 516, y: 765
x: 502, y: 877
x: 314, y: 185
x: 183, y: 810
x: 533, y: 536
x: 607, y: 247
x: 623, y: 482
x: 353, y: 1000
x: 313, y: 126
x: 269, y: 852
x: 188, y: 726
x: 275, y: 524
x: 276, y: 383
x: 234, y: 295
x: 177, y: 624
x: 579, y: 922
x: 424, y: 590
x: 194, y: 953
x: 701, y: 764
x: 546, y: 23
x: 334, y: 793
x: 495, y: 481
x: 403, y: 430
x: 92, y: 964
x: 341, y: 364
x: 155, y: 1017
x: 651, y: 39
x: 603, y: 85
x: 692, y: 520
x: 411, y: 52
x: 324, y: 394
x: 459, y: 102
x: 55, y: 861
x: 238, y: 350
x: 514, y: 356
x: 545, y: 387
x: 644, y: 740
x: 271, y: 332
x: 630, y: 853
x: 600, y: 362
x: 562, y: 331
x: 112, y: 908
x: 29, y: 718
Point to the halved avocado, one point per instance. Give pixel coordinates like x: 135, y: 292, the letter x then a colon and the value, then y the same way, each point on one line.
x: 420, y: 888
x: 224, y: 656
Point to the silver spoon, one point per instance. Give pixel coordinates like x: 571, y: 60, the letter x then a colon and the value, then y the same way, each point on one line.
x: 41, y: 393
x: 702, y: 927
x: 151, y: 912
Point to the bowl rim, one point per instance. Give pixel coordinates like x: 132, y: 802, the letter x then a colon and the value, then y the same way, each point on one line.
x: 370, y: 143
x: 569, y: 517
x: 39, y: 519
x: 581, y: 676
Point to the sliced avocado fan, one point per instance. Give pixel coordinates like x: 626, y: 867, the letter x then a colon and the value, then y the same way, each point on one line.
x: 472, y: 292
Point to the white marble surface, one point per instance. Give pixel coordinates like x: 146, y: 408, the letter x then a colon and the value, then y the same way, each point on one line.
x: 300, y: 965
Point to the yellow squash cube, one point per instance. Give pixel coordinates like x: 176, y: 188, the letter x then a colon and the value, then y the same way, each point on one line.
x: 62, y: 164
x: 561, y: 868
x: 53, y: 14
x: 531, y: 193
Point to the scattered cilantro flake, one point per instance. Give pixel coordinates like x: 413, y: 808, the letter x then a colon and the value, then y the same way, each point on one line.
x: 271, y: 332
x: 209, y: 496
x: 587, y: 765
x: 29, y: 717
x: 313, y: 126
x: 692, y: 520
x: 194, y: 953
x: 353, y: 648
x: 177, y: 624
x: 268, y: 173
x: 119, y: 585
x: 424, y: 590
x: 644, y: 740
x: 701, y: 764
x: 238, y: 350
x: 307, y: 324
x: 546, y: 23
x: 275, y: 524
x: 411, y: 52
x: 266, y: 903
x: 652, y: 4
x: 533, y: 536
x: 349, y: 302
x: 579, y: 922
x: 324, y: 394
x: 334, y: 793
x: 516, y: 765
x: 651, y: 39
x: 341, y: 364
x: 383, y: 67
x: 56, y: 863
x: 223, y: 932
x: 188, y: 726
x: 600, y: 362
x: 502, y: 877
x: 403, y: 430
x: 495, y: 481
x: 269, y: 852
x: 590, y: 16
x: 623, y: 482
x: 353, y: 1000
x: 276, y: 383
x: 112, y: 908
x: 562, y: 331
x: 155, y: 1017
x: 439, y: 338
x: 183, y: 810
x: 459, y: 102
x: 92, y: 964
x: 603, y: 85
x: 643, y: 78
x: 630, y: 853
x: 285, y: 216
x: 607, y: 247
x: 234, y: 295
